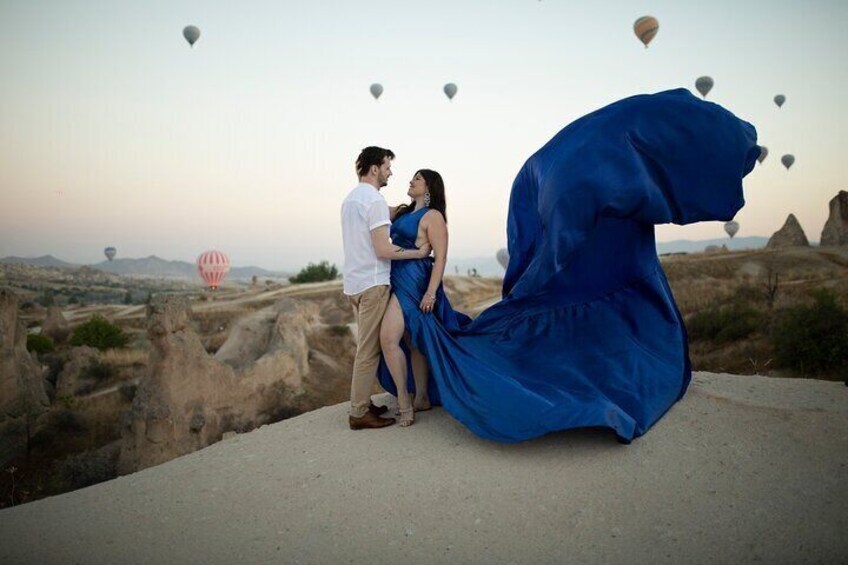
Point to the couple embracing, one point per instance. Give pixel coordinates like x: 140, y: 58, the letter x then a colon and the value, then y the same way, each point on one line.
x: 378, y: 243
x: 587, y: 333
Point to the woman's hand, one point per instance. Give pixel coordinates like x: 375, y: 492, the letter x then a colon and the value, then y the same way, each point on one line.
x: 428, y: 302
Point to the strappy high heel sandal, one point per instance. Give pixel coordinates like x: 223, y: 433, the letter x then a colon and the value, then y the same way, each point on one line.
x: 407, y: 418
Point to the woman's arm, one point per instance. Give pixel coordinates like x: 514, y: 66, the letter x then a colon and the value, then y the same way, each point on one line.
x: 386, y: 250
x: 437, y: 235
x: 393, y: 211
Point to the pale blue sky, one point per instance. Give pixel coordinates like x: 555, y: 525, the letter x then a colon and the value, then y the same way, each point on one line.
x: 114, y: 132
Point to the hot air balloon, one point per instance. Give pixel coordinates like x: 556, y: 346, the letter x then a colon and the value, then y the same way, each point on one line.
x: 787, y: 161
x: 503, y: 257
x: 763, y: 153
x: 646, y: 28
x: 213, y: 266
x: 376, y: 90
x: 450, y: 90
x: 192, y: 34
x: 731, y: 228
x: 704, y: 85
x: 110, y: 252
x: 779, y: 100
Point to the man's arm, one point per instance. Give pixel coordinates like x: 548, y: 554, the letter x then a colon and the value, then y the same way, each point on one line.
x: 386, y: 250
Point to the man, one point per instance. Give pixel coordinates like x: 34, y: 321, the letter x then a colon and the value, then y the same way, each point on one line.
x: 368, y: 255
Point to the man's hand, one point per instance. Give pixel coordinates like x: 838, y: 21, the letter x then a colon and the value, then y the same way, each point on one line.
x: 424, y: 251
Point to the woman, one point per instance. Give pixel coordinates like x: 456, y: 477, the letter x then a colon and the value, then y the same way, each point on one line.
x: 416, y: 291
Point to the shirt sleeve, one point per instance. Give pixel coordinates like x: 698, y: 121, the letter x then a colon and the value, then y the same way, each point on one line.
x: 378, y: 214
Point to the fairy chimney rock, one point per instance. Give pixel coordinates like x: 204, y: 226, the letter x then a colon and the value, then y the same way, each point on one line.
x: 175, y: 410
x: 55, y: 326
x: 23, y: 398
x: 835, y: 230
x: 790, y: 235
x: 189, y: 399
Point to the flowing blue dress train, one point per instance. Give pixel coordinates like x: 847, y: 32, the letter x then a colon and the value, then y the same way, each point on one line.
x: 587, y: 333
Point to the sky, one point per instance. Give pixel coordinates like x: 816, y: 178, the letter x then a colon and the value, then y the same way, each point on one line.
x: 114, y: 132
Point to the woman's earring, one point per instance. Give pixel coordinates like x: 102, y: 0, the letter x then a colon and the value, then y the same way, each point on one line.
x: 426, y: 199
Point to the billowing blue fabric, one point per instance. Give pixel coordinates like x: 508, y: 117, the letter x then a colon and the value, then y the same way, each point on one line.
x: 587, y: 332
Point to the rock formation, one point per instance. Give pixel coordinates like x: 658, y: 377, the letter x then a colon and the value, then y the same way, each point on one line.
x: 73, y: 375
x: 790, y: 235
x: 22, y: 395
x: 190, y: 399
x: 55, y: 326
x: 835, y: 230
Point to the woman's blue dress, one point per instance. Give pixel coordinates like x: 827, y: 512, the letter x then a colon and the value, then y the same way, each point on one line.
x: 587, y: 332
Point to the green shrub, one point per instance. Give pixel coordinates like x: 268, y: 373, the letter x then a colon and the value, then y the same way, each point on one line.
x: 725, y: 323
x: 813, y: 338
x: 99, y: 333
x: 41, y: 344
x: 323, y: 271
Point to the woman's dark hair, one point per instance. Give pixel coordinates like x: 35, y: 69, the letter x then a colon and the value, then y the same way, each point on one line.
x: 436, y: 188
x: 371, y: 156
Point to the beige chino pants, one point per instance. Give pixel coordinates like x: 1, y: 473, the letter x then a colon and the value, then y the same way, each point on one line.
x: 368, y: 309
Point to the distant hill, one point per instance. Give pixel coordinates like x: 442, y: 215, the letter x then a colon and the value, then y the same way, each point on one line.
x: 156, y: 267
x: 44, y: 261
x: 152, y: 266
x: 687, y: 246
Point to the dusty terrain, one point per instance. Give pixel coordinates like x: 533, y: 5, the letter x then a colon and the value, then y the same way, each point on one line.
x: 743, y: 469
x: 698, y: 279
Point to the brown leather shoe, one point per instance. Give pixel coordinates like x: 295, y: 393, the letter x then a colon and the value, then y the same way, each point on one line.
x: 369, y: 421
x: 377, y: 410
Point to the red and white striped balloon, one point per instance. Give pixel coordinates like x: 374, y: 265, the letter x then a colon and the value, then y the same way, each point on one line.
x: 213, y: 266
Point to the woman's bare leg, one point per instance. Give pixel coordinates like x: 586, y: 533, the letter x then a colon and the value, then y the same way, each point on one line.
x: 391, y: 332
x: 420, y: 373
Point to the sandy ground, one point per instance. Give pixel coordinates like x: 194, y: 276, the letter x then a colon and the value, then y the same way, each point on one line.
x: 744, y: 469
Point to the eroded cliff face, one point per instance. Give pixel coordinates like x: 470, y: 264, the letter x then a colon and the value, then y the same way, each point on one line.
x: 835, y: 230
x: 790, y: 235
x: 23, y: 399
x: 270, y: 366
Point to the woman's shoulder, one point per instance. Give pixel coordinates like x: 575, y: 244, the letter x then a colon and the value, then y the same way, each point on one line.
x: 434, y: 216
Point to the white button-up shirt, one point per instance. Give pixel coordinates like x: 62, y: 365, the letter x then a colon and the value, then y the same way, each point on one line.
x: 363, y: 210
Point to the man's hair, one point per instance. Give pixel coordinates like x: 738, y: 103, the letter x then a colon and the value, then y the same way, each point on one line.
x: 371, y: 156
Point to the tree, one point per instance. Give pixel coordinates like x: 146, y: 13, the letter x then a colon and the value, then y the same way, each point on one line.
x: 100, y: 333
x: 814, y: 338
x: 41, y: 344
x: 323, y: 271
